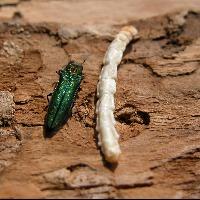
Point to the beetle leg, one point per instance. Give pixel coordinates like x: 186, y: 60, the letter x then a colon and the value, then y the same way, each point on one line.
x: 82, y: 77
x: 67, y: 124
x: 79, y: 89
x: 70, y: 113
x: 50, y: 94
x: 54, y: 85
x: 58, y: 72
x: 45, y: 109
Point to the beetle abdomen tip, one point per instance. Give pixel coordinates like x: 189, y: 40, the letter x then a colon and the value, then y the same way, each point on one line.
x: 48, y: 132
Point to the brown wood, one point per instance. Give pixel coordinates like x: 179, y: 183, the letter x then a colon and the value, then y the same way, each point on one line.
x: 157, y: 109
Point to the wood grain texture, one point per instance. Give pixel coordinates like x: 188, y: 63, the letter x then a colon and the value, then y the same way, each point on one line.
x: 157, y: 112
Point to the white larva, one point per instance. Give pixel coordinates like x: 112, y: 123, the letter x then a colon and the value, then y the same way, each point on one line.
x: 106, y: 88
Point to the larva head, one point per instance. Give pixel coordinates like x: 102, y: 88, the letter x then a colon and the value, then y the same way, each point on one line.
x: 74, y: 68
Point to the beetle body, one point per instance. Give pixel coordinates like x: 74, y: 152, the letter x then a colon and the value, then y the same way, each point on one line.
x: 63, y: 97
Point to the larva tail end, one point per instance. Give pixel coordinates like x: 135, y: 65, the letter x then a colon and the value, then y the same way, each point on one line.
x: 112, y: 156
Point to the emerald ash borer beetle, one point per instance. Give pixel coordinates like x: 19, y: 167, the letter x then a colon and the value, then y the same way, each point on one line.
x: 63, y: 97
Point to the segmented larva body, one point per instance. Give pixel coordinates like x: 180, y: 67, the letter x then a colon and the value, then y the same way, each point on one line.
x: 106, y: 88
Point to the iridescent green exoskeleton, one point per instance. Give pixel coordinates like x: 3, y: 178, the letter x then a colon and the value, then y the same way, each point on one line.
x: 60, y: 106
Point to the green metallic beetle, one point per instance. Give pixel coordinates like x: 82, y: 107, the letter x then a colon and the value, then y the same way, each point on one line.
x: 62, y: 100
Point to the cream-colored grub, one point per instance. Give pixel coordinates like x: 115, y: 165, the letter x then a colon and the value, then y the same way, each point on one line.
x: 106, y: 88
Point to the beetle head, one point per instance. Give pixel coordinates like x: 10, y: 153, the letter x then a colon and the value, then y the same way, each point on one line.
x: 74, y: 68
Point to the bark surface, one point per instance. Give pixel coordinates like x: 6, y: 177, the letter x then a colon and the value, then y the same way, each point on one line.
x: 157, y: 101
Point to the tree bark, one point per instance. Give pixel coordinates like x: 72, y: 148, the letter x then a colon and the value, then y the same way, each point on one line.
x: 157, y: 110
